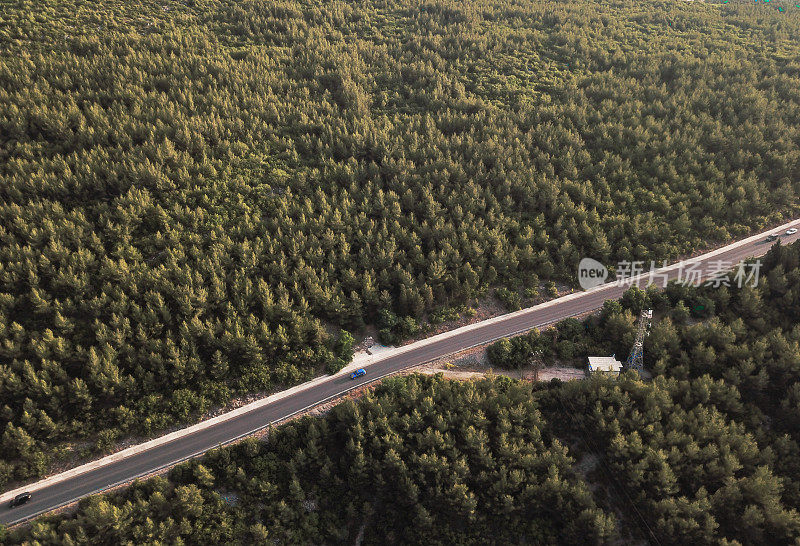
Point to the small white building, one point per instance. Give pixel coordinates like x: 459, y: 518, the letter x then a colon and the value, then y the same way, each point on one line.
x: 605, y: 364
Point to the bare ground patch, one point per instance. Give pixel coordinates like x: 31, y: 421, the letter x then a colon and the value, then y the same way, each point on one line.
x: 474, y: 364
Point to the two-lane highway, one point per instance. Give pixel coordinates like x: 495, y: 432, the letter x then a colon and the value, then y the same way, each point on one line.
x: 143, y: 463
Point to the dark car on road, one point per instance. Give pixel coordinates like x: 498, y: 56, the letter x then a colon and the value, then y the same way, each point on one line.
x: 771, y: 238
x: 358, y: 373
x: 19, y: 500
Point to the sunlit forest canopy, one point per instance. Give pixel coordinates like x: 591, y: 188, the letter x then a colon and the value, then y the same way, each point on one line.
x: 196, y: 196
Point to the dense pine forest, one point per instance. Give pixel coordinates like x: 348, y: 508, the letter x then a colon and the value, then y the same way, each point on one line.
x: 421, y: 460
x: 707, y: 452
x: 197, y: 198
x: 709, y: 449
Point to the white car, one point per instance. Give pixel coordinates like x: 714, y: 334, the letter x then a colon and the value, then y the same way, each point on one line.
x: 791, y: 231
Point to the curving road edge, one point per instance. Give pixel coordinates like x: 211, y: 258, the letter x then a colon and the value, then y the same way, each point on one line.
x: 146, y: 458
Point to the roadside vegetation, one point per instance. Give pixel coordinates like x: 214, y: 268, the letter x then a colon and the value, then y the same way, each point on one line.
x: 197, y: 197
x: 710, y: 449
x: 421, y: 460
x: 705, y: 453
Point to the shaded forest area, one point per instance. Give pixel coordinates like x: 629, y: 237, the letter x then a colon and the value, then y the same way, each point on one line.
x: 705, y: 453
x: 711, y: 448
x: 195, y: 197
x: 421, y: 460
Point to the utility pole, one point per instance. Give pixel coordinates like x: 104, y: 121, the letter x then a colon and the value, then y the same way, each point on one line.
x: 635, y: 359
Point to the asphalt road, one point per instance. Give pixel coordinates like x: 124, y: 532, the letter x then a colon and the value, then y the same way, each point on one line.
x: 146, y: 462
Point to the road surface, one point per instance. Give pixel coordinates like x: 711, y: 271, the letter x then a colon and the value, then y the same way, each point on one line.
x: 146, y: 462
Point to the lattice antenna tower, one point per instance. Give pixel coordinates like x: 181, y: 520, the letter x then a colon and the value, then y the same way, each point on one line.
x: 636, y: 359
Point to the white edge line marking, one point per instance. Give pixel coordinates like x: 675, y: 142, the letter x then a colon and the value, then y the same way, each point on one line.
x: 122, y: 454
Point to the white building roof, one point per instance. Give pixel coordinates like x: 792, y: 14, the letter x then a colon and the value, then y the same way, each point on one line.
x: 604, y: 364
